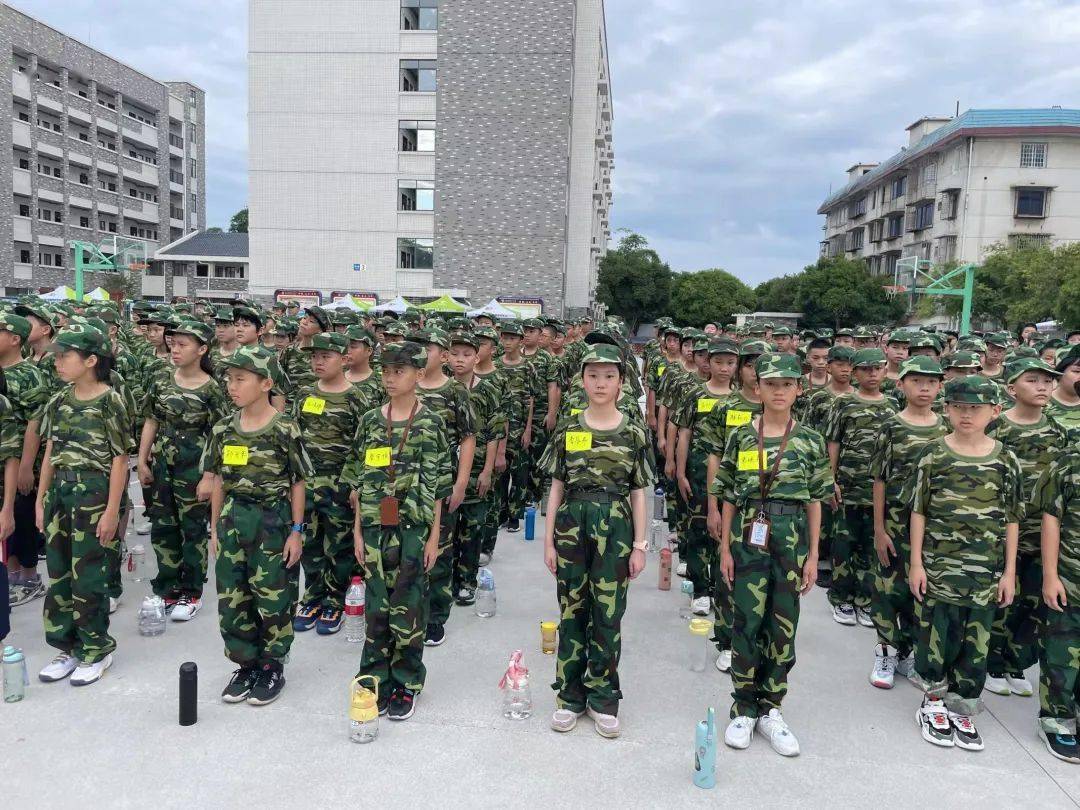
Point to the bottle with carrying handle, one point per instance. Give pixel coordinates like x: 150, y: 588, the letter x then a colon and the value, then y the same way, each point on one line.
x: 16, y: 678
x: 700, y: 647
x: 705, y: 751
x: 686, y: 588
x: 517, y: 696
x: 485, y: 593
x: 355, y: 620
x: 364, y: 708
x: 152, y: 616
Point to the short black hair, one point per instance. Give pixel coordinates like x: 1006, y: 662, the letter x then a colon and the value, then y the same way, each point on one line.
x: 819, y: 343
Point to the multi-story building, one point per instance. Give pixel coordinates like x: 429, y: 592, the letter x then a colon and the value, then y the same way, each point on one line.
x: 430, y: 146
x: 97, y: 152
x: 961, y: 186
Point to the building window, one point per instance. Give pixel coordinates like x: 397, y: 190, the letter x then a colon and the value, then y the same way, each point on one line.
x: 924, y: 216
x: 202, y: 270
x: 24, y: 256
x: 191, y: 133
x: 1029, y: 240
x: 889, y: 264
x: 897, y: 187
x: 929, y: 174
x: 194, y: 203
x: 24, y: 163
x: 194, y: 167
x: 84, y: 179
x: 855, y: 239
x: 1033, y: 156
x: 416, y: 136
x: 416, y: 254
x: 24, y: 210
x: 84, y: 222
x: 950, y: 204
x: 419, y: 15
x: 1031, y: 202
x: 857, y: 208
x: 416, y: 195
x: 417, y: 76
x: 235, y: 271
x: 877, y: 227
x: 895, y: 227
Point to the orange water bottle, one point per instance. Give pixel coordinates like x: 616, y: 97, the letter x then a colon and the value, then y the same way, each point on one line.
x: 665, y: 570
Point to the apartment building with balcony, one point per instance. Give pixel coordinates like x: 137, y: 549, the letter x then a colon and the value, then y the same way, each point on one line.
x: 422, y: 147
x: 96, y: 150
x: 959, y: 187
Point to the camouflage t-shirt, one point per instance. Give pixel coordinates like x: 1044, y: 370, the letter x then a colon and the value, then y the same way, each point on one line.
x: 804, y: 475
x: 1057, y: 493
x: 896, y: 450
x: 490, y: 425
x: 966, y: 502
x: 540, y: 362
x: 585, y: 458
x: 712, y: 431
x: 422, y: 469
x: 817, y: 408
x: 87, y: 434
x: 1035, y: 446
x: 259, y: 464
x: 8, y: 447
x: 853, y: 423
x: 328, y: 423
x: 371, y: 389
x: 185, y: 416
x: 520, y: 388
x: 1068, y: 415
x: 695, y: 409
x: 28, y: 394
x: 296, y: 365
x: 497, y: 380
x: 451, y: 402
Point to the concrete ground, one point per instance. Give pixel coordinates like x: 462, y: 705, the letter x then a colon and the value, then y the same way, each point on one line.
x: 118, y: 741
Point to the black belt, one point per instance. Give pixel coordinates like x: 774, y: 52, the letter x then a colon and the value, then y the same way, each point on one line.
x: 76, y: 475
x: 595, y: 495
x: 777, y: 508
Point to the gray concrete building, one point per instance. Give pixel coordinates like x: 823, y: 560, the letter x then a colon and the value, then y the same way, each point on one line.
x: 423, y: 147
x: 97, y: 152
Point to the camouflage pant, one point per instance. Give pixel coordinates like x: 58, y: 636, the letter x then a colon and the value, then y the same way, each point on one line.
x: 328, y: 558
x: 514, y: 480
x: 537, y: 481
x: 81, y: 570
x: 472, y: 522
x: 1014, y: 638
x: 892, y: 604
x: 593, y: 542
x: 179, y: 531
x: 950, y: 653
x: 1059, y: 671
x: 490, y: 530
x: 699, y: 543
x: 394, y: 579
x: 852, y: 556
x: 440, y: 579
x: 256, y: 591
x: 828, y: 531
x: 723, y: 607
x: 765, y: 595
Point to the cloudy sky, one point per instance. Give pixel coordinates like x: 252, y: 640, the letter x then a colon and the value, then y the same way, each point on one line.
x: 732, y: 119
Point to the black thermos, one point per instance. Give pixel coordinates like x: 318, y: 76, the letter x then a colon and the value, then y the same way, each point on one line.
x: 189, y: 693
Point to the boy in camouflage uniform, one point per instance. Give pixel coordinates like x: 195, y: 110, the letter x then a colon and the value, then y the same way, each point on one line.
x: 1064, y: 404
x: 768, y: 571
x: 540, y: 359
x: 486, y: 369
x: 400, y: 472
x: 967, y: 501
x: 328, y: 413
x: 258, y: 466
x: 521, y: 389
x: 594, y: 541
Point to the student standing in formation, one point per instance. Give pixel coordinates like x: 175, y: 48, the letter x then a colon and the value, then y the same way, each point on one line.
x: 773, y: 477
x: 359, y: 370
x: 966, y: 505
x: 1064, y: 404
x: 594, y: 541
x: 181, y: 409
x: 900, y: 440
x: 87, y: 432
x: 400, y: 473
x: 258, y: 466
x: 486, y: 369
x: 520, y: 401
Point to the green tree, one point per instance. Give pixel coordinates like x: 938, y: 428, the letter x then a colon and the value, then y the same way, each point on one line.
x: 841, y: 292
x: 239, y: 222
x: 709, y: 296
x: 633, y: 282
x: 778, y: 294
x: 215, y: 229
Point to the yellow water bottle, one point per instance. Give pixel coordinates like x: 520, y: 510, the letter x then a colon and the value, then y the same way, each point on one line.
x: 364, y: 709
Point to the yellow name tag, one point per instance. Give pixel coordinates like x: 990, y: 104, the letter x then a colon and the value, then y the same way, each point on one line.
x: 660, y: 371
x: 575, y: 411
x: 736, y: 418
x: 578, y: 440
x: 706, y: 404
x: 234, y: 455
x: 377, y: 457
x: 749, y: 461
x: 314, y: 405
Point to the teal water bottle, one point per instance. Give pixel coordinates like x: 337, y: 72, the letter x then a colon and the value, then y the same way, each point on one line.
x: 705, y: 752
x: 530, y: 523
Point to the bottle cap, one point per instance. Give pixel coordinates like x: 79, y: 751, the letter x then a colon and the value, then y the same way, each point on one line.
x: 700, y: 627
x: 357, y: 580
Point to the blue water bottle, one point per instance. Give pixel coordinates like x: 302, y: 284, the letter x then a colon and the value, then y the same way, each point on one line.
x: 530, y: 523
x: 705, y: 752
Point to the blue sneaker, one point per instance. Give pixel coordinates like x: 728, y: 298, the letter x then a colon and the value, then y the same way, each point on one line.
x: 1062, y: 746
x: 305, y: 618
x: 329, y: 621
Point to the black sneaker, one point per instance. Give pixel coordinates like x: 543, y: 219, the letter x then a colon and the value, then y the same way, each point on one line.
x: 402, y: 703
x: 933, y: 720
x: 513, y: 525
x: 383, y: 702
x: 965, y: 735
x: 271, y: 680
x: 436, y: 635
x: 466, y: 596
x: 240, y: 686
x: 1062, y: 746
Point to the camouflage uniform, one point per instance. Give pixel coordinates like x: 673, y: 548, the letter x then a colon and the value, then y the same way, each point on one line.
x: 86, y: 436
x: 1067, y: 415
x: 594, y: 534
x: 497, y: 380
x: 540, y: 362
x: 766, y: 587
x: 967, y: 503
x: 520, y: 392
x: 1058, y: 493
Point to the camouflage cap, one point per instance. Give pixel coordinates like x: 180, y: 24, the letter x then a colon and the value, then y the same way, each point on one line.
x: 224, y: 315
x: 922, y: 340
x: 845, y: 332
x: 288, y: 326
x: 257, y: 360
x: 782, y: 331
x: 755, y: 348
x: 291, y: 303
x: 110, y: 315
x: 343, y: 317
x: 868, y: 357
x: 778, y: 366
x: 490, y: 333
x: 974, y: 389
x: 82, y: 338
x: 1068, y: 356
x: 602, y: 353
x: 248, y: 314
x: 999, y: 339
x: 756, y: 329
x: 921, y: 364
x: 1023, y: 364
x: 511, y: 328
x: 411, y: 316
x: 1020, y: 351
x: 723, y: 346
x: 320, y: 316
x: 842, y: 354
x: 670, y: 329
x: 430, y: 336
x: 202, y: 332
x: 464, y: 339
x: 899, y: 336
x: 38, y: 309
x: 459, y: 324
x: 396, y: 328
x: 810, y: 334
x: 359, y: 334
x: 701, y: 344
x: 961, y: 360
x: 16, y: 324
x: 532, y: 323
x: 1052, y: 343
x: 863, y: 333
x: 328, y: 342
x: 405, y: 353
x: 662, y: 322
x: 163, y: 316
x: 971, y: 343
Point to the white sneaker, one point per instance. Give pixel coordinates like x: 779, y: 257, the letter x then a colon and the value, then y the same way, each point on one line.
x: 87, y: 674
x: 680, y: 569
x: 905, y: 666
x: 862, y: 616
x: 739, y: 732
x: 114, y: 604
x: 997, y: 684
x: 723, y: 661
x: 933, y: 720
x: 186, y: 608
x: 1019, y: 685
x: 59, y: 668
x: 884, y: 672
x: 779, y: 735
x: 485, y: 558
x: 142, y: 528
x: 607, y: 725
x: 700, y: 606
x: 564, y: 720
x: 843, y: 614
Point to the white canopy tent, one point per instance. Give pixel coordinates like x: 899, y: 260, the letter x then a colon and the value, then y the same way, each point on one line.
x: 494, y: 309
x: 398, y: 305
x: 348, y: 302
x: 63, y: 293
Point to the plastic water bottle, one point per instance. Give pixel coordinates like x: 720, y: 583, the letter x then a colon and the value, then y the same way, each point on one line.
x: 664, y: 583
x: 517, y: 695
x: 152, y: 616
x: 701, y: 649
x: 687, y: 590
x: 15, y: 675
x: 364, y: 709
x: 136, y: 562
x: 485, y: 593
x: 530, y: 523
x: 355, y: 623
x: 705, y: 752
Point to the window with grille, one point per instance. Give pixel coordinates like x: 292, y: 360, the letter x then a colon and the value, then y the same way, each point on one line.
x: 1032, y: 155
x: 1029, y: 240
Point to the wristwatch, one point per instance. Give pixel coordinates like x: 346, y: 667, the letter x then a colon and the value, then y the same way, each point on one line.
x: 299, y: 528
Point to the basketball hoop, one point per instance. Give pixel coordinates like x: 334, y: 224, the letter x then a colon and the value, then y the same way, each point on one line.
x: 895, y: 289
